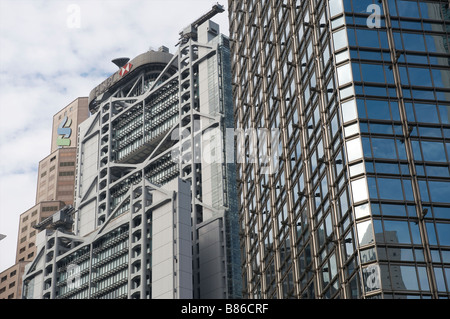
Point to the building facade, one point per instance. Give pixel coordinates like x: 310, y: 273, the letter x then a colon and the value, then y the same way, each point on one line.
x: 153, y: 216
x: 358, y: 205
x: 56, y: 172
x: 55, y: 189
x: 11, y: 281
x: 26, y: 247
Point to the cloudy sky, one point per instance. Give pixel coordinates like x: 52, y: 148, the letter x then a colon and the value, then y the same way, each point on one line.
x: 53, y: 51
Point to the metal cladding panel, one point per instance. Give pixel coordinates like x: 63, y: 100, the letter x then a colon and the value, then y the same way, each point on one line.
x: 171, y: 245
x: 212, y: 256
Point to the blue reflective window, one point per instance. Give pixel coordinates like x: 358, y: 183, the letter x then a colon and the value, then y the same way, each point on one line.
x: 439, y: 78
x: 413, y: 58
x: 361, y: 108
x: 370, y: 167
x: 401, y: 150
x: 398, y: 41
x: 367, y: 37
x: 443, y: 232
x: 419, y: 76
x: 387, y: 168
x: 372, y: 185
x: 424, y: 191
x: 395, y: 111
x: 441, y: 212
x: 397, y: 232
x: 427, y: 113
x: 410, y: 112
x: 375, y: 90
x: 350, y: 37
x: 439, y: 275
x: 404, y: 169
x: 413, y: 42
x: 407, y: 186
x: 356, y: 72
x: 416, y: 150
x: 390, y: 188
x: 413, y: 25
x: 383, y: 148
x: 407, y: 9
x: 447, y: 133
x: 375, y: 209
x: 364, y: 127
x: 420, y: 170
x: 381, y: 128
x: 372, y: 73
x: 384, y: 41
x: 360, y: 5
x: 423, y: 278
x: 429, y: 9
x: 403, y: 75
x: 393, y: 210
x: 378, y: 110
x: 439, y: 191
x: 415, y: 233
x: 431, y: 234
x: 378, y: 229
x: 423, y: 94
x: 392, y: 8
x: 366, y: 147
x: 430, y: 131
x: 433, y: 151
x: 431, y: 42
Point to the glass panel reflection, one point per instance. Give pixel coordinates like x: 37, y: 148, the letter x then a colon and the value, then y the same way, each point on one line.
x: 359, y: 190
x: 365, y: 233
x: 404, y: 277
x: 354, y: 149
x: 371, y: 278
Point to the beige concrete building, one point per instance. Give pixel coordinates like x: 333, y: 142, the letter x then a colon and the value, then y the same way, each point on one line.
x: 66, y: 121
x: 56, y: 176
x: 11, y: 281
x: 26, y: 249
x: 55, y: 189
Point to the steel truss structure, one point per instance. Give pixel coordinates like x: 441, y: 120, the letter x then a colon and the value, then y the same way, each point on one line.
x: 137, y: 167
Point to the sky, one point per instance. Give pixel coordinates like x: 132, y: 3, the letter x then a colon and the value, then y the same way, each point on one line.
x: 53, y: 51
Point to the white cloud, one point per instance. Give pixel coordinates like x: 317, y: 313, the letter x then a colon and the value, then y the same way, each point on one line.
x: 46, y: 63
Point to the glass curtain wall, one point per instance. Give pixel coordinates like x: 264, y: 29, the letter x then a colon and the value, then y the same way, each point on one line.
x: 359, y: 205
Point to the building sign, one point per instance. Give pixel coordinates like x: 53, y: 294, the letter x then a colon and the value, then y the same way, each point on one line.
x: 64, y: 132
x: 125, y: 69
x: 105, y: 85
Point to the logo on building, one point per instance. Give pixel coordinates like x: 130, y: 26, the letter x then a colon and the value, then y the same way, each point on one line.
x: 64, y: 132
x: 125, y: 69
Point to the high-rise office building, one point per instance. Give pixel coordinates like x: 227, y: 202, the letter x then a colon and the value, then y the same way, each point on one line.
x: 55, y: 188
x: 358, y: 205
x: 155, y: 210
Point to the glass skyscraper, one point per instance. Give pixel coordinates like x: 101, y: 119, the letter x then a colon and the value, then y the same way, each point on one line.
x: 358, y: 205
